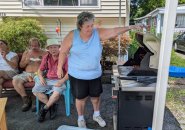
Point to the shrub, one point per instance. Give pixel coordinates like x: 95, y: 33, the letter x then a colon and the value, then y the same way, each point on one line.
x: 110, y: 47
x: 110, y: 50
x: 133, y: 45
x: 18, y: 31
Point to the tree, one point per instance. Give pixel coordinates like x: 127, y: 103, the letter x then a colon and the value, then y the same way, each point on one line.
x: 18, y: 31
x: 140, y: 8
x: 181, y: 1
x: 143, y: 7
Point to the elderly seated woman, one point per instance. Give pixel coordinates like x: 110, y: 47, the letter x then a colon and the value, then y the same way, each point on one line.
x: 50, y: 80
x: 8, y: 63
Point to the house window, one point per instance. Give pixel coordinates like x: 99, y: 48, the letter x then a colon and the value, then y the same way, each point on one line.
x: 88, y: 2
x: 76, y: 3
x: 60, y: 2
x: 180, y: 21
x: 32, y: 2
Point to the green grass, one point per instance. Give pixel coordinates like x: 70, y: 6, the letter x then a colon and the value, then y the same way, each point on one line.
x: 175, y: 100
x: 175, y: 96
x: 176, y: 60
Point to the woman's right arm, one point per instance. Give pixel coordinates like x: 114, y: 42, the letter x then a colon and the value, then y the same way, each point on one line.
x: 24, y: 60
x: 64, y: 51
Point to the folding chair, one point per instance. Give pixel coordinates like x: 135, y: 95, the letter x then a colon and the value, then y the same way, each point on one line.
x: 67, y: 97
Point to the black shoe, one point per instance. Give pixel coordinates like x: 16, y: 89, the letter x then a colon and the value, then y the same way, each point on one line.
x: 53, y: 111
x: 33, y: 108
x: 26, y: 103
x: 42, y: 114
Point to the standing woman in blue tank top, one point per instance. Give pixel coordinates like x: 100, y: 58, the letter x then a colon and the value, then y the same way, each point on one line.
x: 84, y: 49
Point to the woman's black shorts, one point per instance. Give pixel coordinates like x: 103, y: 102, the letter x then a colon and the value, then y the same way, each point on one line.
x: 84, y: 88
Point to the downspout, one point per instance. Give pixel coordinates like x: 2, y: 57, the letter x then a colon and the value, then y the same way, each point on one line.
x: 119, y: 37
x: 128, y: 12
x: 127, y: 24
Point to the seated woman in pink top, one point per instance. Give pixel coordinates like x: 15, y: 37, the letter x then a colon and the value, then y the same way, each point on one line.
x: 47, y: 79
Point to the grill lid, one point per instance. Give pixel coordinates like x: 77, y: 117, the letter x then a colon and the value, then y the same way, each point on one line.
x: 152, y: 46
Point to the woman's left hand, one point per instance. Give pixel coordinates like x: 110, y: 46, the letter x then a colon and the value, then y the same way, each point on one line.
x: 137, y: 27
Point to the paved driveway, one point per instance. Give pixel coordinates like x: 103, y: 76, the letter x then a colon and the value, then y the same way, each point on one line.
x: 18, y: 120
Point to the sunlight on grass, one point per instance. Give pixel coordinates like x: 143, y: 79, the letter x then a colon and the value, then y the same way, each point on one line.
x: 176, y: 60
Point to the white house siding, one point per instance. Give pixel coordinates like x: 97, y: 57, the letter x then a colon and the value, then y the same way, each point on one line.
x: 67, y: 24
x: 107, y: 14
x: 108, y: 8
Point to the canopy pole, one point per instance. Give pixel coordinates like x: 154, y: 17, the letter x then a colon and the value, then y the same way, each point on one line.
x: 119, y: 37
x: 164, y: 62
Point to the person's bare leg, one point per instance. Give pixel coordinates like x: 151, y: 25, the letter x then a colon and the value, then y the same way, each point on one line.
x: 96, y: 116
x: 1, y: 87
x: 43, y: 111
x: 42, y: 97
x: 96, y: 103
x: 80, y: 106
x: 3, y: 76
x: 19, y: 87
x: 53, y: 98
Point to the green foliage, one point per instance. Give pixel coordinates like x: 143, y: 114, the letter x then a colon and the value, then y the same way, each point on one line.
x: 110, y: 47
x: 18, y: 31
x: 153, y: 30
x: 110, y: 50
x: 140, y: 8
x: 133, y: 46
x: 181, y: 1
x: 176, y: 60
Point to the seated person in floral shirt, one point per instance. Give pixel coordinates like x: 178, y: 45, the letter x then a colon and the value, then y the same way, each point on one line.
x: 50, y: 81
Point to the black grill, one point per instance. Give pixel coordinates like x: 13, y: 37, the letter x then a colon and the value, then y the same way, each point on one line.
x: 135, y: 107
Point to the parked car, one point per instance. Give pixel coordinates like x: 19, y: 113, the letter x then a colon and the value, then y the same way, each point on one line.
x: 179, y: 43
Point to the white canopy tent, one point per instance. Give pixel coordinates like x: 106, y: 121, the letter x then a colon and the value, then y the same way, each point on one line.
x: 164, y: 62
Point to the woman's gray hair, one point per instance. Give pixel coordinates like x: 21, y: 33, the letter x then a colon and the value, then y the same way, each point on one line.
x: 84, y: 17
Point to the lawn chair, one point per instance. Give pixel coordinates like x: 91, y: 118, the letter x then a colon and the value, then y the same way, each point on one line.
x: 67, y: 96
